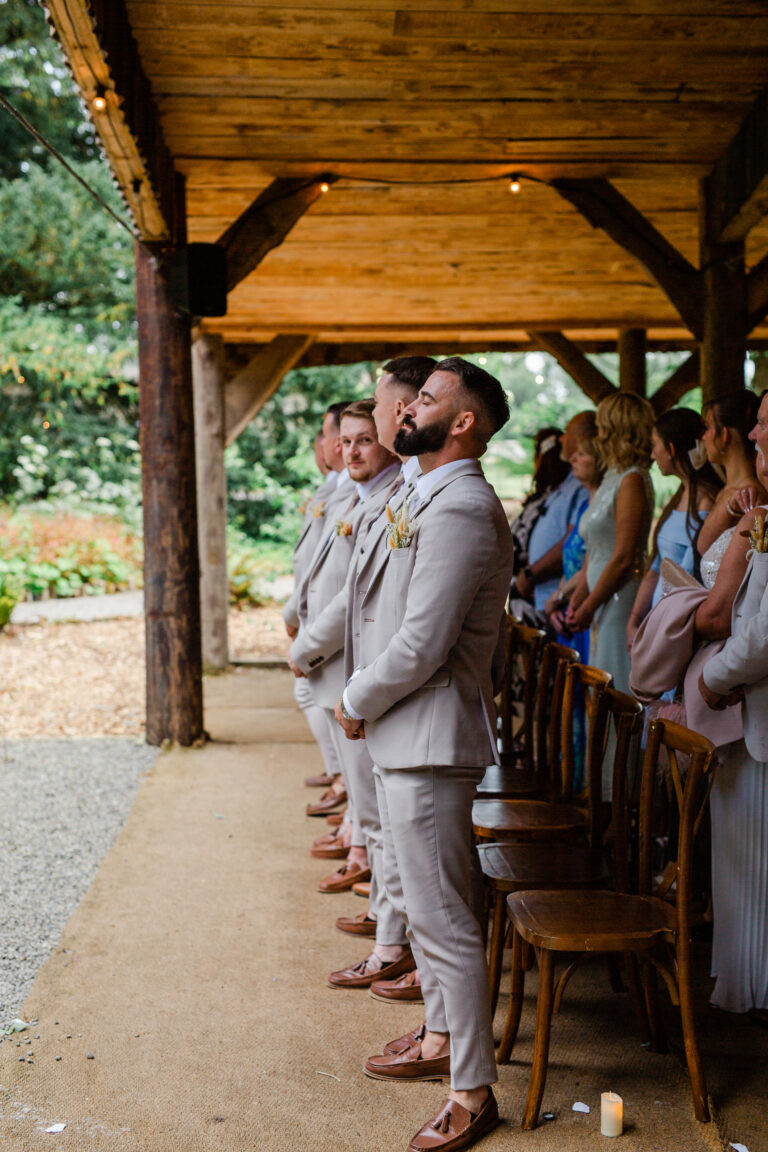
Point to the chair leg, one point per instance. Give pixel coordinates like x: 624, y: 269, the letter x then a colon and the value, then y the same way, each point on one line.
x: 695, y: 1070
x: 614, y: 973
x: 636, y: 995
x: 515, y: 1009
x: 496, y: 950
x: 651, y: 991
x: 563, y: 982
x: 541, y: 1043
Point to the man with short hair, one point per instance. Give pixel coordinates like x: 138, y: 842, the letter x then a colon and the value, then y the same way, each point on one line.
x: 371, y: 470
x: 319, y: 642
x: 427, y: 610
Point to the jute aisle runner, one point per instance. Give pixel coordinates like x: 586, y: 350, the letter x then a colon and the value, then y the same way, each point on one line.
x: 185, y: 1007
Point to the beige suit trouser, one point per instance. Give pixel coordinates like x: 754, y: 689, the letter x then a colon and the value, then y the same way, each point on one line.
x: 318, y: 723
x: 426, y: 819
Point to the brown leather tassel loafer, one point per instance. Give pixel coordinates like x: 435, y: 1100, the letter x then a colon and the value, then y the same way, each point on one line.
x: 454, y: 1127
x: 363, y: 974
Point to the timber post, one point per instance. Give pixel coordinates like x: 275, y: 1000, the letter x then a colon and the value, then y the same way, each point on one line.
x: 632, y: 347
x: 724, y: 313
x: 171, y: 567
x: 208, y: 384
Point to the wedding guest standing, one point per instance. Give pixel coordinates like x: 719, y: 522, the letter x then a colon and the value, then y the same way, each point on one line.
x: 727, y: 423
x: 673, y: 443
x: 615, y: 530
x: 739, y: 798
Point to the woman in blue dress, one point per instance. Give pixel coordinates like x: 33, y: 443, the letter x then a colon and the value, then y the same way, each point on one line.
x: 673, y: 441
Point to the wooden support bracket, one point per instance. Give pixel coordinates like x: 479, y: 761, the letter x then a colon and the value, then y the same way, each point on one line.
x: 573, y: 361
x: 739, y: 180
x: 683, y: 379
x: 605, y: 208
x: 267, y: 222
x: 250, y: 389
x: 757, y: 293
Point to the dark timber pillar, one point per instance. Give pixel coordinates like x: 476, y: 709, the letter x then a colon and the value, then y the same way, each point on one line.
x: 632, y: 345
x: 171, y: 569
x: 724, y: 322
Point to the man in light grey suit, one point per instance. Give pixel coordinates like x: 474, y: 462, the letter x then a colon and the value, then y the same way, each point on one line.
x: 427, y: 616
x: 323, y: 640
x: 311, y: 529
x: 371, y: 468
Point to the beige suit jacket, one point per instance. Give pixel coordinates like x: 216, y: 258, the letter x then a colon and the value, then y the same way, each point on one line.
x: 425, y: 623
x: 743, y: 661
x: 324, y: 579
x: 311, y: 531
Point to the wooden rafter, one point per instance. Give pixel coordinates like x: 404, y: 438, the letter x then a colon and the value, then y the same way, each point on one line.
x: 102, y: 54
x: 573, y: 361
x: 266, y: 223
x: 605, y: 207
x: 739, y: 181
x: 757, y: 293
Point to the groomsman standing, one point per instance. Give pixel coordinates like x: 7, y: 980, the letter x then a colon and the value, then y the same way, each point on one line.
x: 427, y: 621
x: 371, y: 469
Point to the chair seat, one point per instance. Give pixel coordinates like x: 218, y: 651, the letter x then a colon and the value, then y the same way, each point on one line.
x: 504, y: 782
x: 513, y: 866
x: 584, y: 921
x: 534, y: 819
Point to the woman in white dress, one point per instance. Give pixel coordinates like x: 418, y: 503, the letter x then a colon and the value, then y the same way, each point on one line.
x: 739, y: 799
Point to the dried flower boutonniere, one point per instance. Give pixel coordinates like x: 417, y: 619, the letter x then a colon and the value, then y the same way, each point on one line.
x: 758, y: 537
x: 400, y: 528
x: 319, y: 510
x: 343, y: 528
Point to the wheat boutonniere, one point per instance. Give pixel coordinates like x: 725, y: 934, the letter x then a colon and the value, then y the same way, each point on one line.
x: 758, y: 537
x: 400, y: 528
x: 319, y: 510
x: 343, y: 528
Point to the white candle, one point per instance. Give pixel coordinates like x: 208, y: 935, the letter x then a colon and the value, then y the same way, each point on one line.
x: 611, y: 1114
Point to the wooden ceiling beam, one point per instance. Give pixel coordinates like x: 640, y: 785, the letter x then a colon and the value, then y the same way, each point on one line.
x: 739, y: 181
x: 266, y: 223
x: 104, y: 60
x: 605, y: 208
x: 573, y: 361
x: 250, y: 389
x: 683, y: 379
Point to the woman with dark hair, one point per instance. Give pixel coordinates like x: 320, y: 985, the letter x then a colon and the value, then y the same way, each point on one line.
x: 673, y: 443
x: 727, y: 422
x: 549, y: 470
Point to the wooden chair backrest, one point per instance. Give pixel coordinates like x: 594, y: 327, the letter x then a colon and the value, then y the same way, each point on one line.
x: 687, y: 792
x: 626, y: 717
x: 524, y: 645
x: 548, y: 715
x: 586, y: 684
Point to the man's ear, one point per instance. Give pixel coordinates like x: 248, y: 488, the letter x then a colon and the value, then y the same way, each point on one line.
x: 463, y: 422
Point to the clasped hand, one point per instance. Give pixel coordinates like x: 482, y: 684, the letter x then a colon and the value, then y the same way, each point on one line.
x: 353, y: 729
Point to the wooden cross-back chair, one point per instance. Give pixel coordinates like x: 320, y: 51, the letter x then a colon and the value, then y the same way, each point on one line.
x: 515, y: 866
x: 518, y: 773
x: 654, y: 925
x: 554, y: 818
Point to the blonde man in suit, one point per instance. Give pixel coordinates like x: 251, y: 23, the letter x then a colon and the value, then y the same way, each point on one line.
x: 428, y: 611
x: 329, y: 459
x: 371, y: 469
x: 326, y: 637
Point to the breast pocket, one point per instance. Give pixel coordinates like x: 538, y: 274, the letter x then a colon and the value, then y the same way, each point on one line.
x: 399, y: 568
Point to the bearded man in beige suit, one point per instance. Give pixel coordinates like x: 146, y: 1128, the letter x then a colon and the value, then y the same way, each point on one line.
x: 428, y: 616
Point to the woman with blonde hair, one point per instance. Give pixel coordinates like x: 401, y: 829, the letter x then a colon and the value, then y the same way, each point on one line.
x: 615, y: 530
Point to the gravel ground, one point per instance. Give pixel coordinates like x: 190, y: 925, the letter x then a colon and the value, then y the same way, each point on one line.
x: 63, y: 803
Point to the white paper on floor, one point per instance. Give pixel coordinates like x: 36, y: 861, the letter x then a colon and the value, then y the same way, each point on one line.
x: 740, y: 1147
x: 56, y: 1128
x: 579, y: 1107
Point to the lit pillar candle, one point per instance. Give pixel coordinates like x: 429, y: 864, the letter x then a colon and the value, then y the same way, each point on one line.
x: 611, y: 1114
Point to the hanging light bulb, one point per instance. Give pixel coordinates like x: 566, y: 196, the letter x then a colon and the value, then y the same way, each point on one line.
x: 324, y: 187
x: 514, y: 183
x: 100, y: 99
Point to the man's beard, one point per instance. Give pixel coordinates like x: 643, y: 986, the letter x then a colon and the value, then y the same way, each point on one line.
x: 410, y: 441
